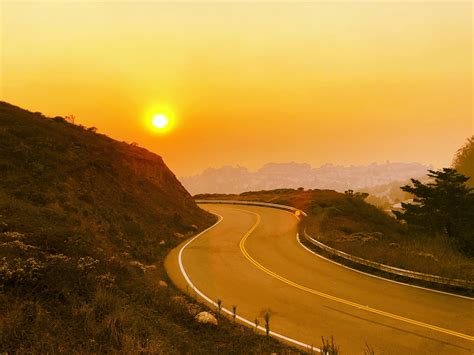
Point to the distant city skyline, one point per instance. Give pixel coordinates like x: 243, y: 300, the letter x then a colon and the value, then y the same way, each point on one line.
x: 238, y: 179
x: 255, y: 169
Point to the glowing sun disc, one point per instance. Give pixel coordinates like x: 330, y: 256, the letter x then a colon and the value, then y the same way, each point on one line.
x: 160, y: 121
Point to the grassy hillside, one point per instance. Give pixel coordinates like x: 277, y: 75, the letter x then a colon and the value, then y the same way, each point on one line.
x: 348, y: 223
x: 85, y: 224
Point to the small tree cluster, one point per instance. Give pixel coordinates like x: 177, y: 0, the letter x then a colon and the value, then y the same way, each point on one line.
x: 445, y: 205
x: 356, y: 195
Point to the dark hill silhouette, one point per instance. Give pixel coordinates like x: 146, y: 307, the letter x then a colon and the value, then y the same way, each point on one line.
x: 52, y: 164
x: 85, y: 224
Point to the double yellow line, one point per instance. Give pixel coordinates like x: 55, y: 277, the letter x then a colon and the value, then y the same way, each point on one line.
x: 337, y: 299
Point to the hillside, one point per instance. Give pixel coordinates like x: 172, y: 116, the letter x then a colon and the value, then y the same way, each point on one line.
x: 85, y: 223
x: 238, y: 179
x: 347, y: 222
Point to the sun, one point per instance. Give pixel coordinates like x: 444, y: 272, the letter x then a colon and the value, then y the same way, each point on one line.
x: 160, y: 121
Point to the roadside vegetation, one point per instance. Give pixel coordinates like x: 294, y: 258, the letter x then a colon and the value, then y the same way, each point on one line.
x: 444, y: 206
x: 85, y: 224
x: 348, y: 223
x: 464, y: 160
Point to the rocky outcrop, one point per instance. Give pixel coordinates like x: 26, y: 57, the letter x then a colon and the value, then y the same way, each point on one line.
x: 206, y: 318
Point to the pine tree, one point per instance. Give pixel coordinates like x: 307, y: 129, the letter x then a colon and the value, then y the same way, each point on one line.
x: 464, y: 160
x: 445, y: 205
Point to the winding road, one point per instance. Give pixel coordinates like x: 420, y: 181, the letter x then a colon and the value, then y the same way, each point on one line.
x: 252, y: 259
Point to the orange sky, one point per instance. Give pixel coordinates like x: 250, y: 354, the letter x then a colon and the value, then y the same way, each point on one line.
x: 251, y: 82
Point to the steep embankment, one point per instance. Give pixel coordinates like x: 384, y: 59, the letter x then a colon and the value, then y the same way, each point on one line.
x: 85, y: 223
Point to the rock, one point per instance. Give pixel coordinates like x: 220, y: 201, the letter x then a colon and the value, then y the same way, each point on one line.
x: 162, y: 284
x: 194, y: 227
x: 179, y: 235
x: 162, y: 242
x: 206, y: 318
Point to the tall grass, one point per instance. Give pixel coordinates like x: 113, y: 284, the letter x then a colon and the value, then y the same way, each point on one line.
x: 329, y: 347
x: 266, y: 317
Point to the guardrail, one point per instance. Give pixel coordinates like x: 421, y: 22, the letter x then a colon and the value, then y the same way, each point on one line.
x: 255, y: 203
x: 379, y: 266
x: 391, y: 269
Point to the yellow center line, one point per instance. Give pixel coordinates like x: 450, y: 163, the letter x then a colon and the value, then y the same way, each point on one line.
x: 333, y: 298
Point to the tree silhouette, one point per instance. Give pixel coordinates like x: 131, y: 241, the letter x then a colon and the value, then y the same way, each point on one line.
x: 464, y: 160
x: 445, y: 205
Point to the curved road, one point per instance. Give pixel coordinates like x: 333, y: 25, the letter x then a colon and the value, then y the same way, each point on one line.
x: 252, y: 259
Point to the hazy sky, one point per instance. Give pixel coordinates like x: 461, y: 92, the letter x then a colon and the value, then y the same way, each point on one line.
x: 251, y: 82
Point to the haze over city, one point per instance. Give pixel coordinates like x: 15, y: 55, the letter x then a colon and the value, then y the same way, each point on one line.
x: 250, y: 83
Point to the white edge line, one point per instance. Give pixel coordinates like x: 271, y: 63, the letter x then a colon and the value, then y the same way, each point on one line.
x: 225, y: 310
x: 362, y: 272
x: 378, y: 277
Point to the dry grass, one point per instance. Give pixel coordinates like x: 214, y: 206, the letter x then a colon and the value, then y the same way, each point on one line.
x: 435, y: 256
x: 85, y: 224
x: 392, y: 244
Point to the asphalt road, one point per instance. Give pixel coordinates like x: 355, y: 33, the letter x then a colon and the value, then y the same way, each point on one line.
x: 252, y: 259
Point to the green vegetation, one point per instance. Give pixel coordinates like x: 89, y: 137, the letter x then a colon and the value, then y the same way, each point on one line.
x: 444, y: 206
x: 348, y: 223
x: 85, y: 224
x: 464, y: 160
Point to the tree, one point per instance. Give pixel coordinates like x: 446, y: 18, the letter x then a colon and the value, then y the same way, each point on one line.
x: 70, y: 119
x: 356, y: 195
x: 445, y: 205
x: 464, y: 160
